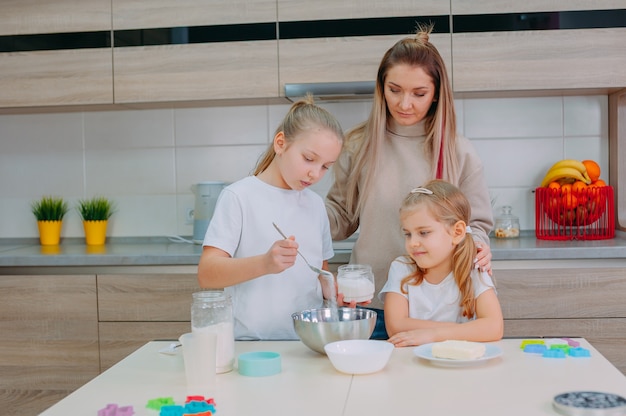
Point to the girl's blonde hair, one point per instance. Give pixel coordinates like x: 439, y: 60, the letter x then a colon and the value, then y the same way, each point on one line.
x: 303, y: 115
x: 448, y: 205
x: 365, y: 140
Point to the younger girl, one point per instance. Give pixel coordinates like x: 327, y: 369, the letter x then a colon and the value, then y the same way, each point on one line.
x: 242, y: 251
x: 435, y: 293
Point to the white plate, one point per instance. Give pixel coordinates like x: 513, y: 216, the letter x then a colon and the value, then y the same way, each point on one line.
x: 426, y: 352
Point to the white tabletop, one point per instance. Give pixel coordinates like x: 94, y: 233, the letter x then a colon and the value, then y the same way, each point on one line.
x: 516, y: 383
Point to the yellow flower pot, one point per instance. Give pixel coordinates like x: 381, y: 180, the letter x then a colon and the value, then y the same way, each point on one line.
x: 49, y: 232
x: 95, y: 232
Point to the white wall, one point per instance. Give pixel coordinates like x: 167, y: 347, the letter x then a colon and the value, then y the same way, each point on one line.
x: 147, y: 160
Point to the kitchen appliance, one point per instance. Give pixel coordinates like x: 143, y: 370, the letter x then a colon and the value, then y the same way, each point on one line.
x: 331, y: 91
x: 206, y: 194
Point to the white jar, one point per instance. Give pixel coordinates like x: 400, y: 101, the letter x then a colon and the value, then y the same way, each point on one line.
x: 356, y: 282
x: 212, y: 313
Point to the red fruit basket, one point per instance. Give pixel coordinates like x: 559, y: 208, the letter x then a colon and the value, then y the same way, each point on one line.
x: 585, y: 214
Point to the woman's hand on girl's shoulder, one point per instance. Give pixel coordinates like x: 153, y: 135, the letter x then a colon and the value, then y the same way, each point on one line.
x: 483, y: 257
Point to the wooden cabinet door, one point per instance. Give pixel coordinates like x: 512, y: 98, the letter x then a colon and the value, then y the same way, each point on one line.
x: 55, y: 53
x: 572, y: 302
x: 330, y: 41
x: 194, y: 50
x: 136, y: 308
x: 49, y: 339
x: 536, y: 45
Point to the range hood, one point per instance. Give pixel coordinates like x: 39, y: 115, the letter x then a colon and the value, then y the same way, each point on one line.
x: 331, y: 91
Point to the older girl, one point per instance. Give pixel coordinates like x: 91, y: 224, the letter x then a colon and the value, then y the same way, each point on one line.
x: 244, y: 254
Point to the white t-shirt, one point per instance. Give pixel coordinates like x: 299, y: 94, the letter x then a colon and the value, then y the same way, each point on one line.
x: 242, y: 226
x: 431, y: 302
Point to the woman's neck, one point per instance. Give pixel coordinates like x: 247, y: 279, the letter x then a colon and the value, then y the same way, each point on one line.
x: 414, y: 130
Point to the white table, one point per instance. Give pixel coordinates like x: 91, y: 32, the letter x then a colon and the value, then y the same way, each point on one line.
x: 516, y: 383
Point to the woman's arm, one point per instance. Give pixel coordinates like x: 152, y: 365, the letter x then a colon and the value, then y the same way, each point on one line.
x: 339, y: 218
x: 488, y: 325
x: 217, y: 269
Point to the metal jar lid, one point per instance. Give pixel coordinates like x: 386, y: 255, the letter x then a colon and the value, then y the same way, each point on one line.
x: 589, y: 403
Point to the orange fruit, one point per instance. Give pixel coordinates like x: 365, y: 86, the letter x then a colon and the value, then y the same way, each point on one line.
x: 566, y: 188
x: 598, y: 183
x: 554, y: 185
x: 569, y: 201
x: 579, y: 187
x: 593, y: 169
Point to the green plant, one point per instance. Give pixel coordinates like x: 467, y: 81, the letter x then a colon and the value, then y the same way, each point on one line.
x: 49, y: 208
x: 95, y: 209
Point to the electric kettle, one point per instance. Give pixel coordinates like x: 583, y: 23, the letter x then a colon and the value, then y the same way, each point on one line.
x: 206, y: 194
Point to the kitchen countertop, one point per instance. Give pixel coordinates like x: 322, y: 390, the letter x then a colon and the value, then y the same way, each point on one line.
x: 159, y: 251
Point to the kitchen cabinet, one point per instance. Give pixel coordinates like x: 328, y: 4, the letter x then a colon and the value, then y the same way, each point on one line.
x: 136, y: 308
x: 54, y: 16
x: 194, y: 50
x: 329, y: 41
x: 513, y: 46
x: 55, y: 53
x: 49, y: 343
x: 566, y: 298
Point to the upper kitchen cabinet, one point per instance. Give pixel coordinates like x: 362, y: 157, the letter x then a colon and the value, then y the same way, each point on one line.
x: 56, y: 52
x: 194, y: 50
x: 343, y: 41
x: 537, y: 45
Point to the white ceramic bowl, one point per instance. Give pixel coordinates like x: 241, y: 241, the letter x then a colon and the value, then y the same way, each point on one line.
x: 359, y: 356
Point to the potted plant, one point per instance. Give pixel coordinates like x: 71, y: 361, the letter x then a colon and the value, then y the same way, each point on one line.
x: 95, y: 213
x: 49, y: 211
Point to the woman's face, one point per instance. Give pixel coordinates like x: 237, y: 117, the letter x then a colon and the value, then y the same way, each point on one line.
x: 409, y: 93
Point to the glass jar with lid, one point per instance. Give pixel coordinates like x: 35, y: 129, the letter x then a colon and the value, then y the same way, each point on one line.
x: 212, y: 312
x: 507, y: 224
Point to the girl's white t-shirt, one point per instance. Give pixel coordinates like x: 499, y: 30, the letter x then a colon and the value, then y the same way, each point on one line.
x: 431, y: 302
x: 242, y: 226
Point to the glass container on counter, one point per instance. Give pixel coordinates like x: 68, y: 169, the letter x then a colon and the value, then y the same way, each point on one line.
x: 212, y: 312
x: 507, y: 224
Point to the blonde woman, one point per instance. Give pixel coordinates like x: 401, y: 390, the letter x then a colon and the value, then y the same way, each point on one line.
x: 410, y: 137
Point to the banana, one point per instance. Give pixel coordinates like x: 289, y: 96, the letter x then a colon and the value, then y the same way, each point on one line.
x: 562, y: 172
x: 569, y: 164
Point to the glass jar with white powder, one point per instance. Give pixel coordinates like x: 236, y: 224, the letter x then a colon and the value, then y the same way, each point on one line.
x: 356, y: 282
x: 212, y: 313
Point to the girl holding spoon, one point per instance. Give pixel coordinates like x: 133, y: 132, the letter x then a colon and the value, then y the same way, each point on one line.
x: 241, y: 252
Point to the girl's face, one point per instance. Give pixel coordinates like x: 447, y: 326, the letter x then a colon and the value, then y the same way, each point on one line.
x: 429, y: 242
x: 409, y: 93
x: 306, y: 159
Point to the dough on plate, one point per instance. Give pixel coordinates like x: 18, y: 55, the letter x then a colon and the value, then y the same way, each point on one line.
x: 458, y: 350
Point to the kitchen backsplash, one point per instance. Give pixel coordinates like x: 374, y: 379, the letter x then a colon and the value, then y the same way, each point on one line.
x: 147, y: 160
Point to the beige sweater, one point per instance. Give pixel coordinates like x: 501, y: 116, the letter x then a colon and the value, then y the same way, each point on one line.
x: 380, y: 238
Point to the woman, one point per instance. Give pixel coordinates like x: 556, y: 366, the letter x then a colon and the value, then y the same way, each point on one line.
x: 409, y: 138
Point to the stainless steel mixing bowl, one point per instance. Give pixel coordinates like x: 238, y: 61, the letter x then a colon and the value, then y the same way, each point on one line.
x: 318, y: 327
